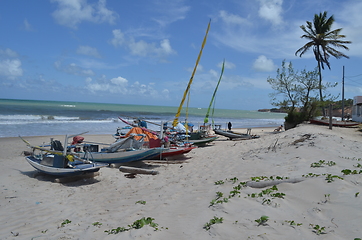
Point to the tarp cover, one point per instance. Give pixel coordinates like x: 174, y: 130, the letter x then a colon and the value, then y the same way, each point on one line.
x: 137, y: 130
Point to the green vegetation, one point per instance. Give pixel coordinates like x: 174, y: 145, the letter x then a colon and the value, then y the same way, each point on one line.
x: 297, y: 90
x: 135, y: 225
x: 65, y: 222
x: 293, y: 223
x: 262, y: 220
x: 338, y: 104
x: 318, y: 229
x: 322, y: 162
x: 218, y: 199
x: 349, y: 171
x: 141, y: 202
x: 269, y: 192
x: 330, y: 178
x: 97, y: 224
x: 220, y: 182
x: 310, y: 175
x: 213, y: 221
x: 265, y: 178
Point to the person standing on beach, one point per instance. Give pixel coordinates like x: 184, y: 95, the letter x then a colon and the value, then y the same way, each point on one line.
x: 229, y: 126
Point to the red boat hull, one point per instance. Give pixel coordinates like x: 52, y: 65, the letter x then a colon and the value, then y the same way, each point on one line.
x: 174, y: 151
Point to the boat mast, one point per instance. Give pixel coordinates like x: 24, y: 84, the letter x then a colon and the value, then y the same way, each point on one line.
x: 206, y: 119
x: 176, y: 120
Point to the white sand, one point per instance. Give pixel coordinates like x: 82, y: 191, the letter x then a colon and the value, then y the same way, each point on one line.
x: 32, y: 206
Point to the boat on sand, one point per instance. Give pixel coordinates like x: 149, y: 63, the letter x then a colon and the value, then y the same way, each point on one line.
x: 235, y: 135
x: 58, y: 165
x: 334, y: 122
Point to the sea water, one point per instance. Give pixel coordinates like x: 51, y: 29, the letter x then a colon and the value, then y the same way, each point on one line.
x: 46, y: 118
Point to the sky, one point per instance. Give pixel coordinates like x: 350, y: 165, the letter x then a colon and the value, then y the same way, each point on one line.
x: 143, y: 52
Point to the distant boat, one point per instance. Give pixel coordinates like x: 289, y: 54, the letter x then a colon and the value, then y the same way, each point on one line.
x: 334, y: 123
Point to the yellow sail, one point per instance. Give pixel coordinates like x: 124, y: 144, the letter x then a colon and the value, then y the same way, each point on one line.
x: 175, y: 121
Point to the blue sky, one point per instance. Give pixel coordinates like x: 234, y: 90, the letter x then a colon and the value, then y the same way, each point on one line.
x: 143, y: 52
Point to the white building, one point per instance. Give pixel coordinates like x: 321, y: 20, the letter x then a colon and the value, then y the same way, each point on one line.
x: 357, y: 109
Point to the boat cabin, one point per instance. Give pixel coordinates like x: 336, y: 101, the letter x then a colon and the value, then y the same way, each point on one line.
x: 357, y: 109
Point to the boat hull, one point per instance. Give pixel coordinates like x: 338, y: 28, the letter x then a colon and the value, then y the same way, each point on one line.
x: 173, y: 151
x: 122, y: 156
x: 78, y: 169
x: 334, y: 123
x: 234, y: 135
x: 202, y: 142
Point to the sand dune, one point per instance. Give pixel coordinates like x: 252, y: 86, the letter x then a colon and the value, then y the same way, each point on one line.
x: 209, y: 185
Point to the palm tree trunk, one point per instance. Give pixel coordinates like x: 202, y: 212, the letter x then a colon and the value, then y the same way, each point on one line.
x: 320, y: 88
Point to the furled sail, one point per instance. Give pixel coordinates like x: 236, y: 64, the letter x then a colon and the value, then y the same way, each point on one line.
x: 175, y: 121
x: 206, y: 120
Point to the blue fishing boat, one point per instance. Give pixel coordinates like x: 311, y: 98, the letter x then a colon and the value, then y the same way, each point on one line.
x: 57, y: 165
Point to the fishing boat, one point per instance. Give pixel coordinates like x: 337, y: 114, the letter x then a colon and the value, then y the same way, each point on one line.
x: 334, y: 122
x: 174, y: 152
x: 235, y: 135
x: 128, y: 149
x: 122, y: 156
x: 57, y: 165
x: 202, y: 142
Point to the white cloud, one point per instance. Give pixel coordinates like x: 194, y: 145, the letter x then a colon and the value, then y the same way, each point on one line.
x: 27, y: 26
x: 165, y: 47
x: 8, y: 53
x: 262, y: 64
x: 118, y: 38
x: 271, y: 10
x: 89, y: 51
x: 349, y: 18
x: 168, y: 11
x: 281, y: 42
x: 11, y: 68
x: 119, y: 81
x: 10, y: 65
x: 70, y: 13
x: 141, y: 47
x: 73, y: 69
x: 229, y: 18
x: 228, y: 65
x: 121, y: 86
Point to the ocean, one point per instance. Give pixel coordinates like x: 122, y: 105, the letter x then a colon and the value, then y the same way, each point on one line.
x: 46, y: 118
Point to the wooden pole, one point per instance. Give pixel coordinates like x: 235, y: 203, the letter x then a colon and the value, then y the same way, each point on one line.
x: 343, y: 94
x: 330, y: 116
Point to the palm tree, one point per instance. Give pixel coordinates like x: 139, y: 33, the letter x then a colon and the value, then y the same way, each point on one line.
x: 322, y: 40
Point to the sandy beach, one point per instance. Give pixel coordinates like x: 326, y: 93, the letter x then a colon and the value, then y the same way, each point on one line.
x: 221, y: 191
